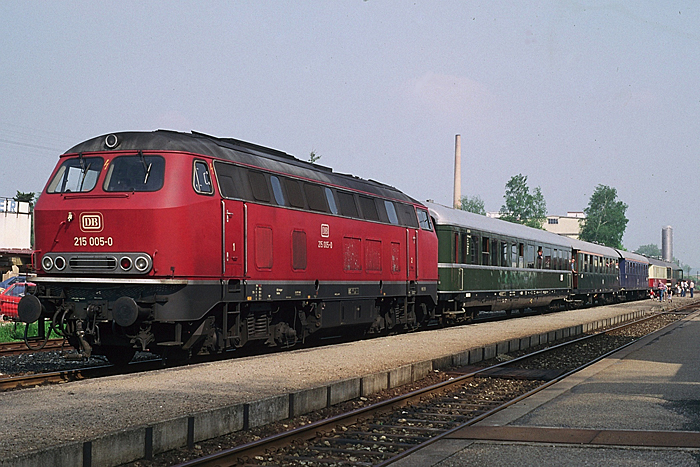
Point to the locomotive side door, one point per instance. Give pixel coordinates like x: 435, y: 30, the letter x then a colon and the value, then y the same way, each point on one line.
x: 411, y: 256
x: 233, y: 221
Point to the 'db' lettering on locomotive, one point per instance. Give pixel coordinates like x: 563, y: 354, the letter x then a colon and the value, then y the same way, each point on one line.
x: 91, y: 222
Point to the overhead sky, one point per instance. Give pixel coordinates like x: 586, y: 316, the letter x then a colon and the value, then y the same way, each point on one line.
x: 572, y: 94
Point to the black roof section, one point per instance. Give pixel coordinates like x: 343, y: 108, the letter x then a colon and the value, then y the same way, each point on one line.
x: 234, y: 150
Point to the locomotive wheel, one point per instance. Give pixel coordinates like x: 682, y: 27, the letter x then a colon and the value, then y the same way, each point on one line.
x: 118, y: 356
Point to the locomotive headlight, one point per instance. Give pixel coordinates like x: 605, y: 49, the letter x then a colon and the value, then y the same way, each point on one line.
x: 141, y: 263
x: 46, y: 263
x: 60, y: 263
x: 125, y: 263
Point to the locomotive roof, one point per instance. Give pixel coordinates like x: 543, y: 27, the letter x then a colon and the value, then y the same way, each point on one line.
x: 660, y: 262
x: 236, y: 151
x: 450, y: 216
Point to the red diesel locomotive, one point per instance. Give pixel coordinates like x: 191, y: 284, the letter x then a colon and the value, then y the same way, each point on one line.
x: 185, y: 243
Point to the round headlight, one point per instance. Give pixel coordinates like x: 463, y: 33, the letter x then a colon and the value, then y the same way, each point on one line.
x: 60, y: 263
x: 46, y: 263
x: 141, y: 263
x: 125, y: 263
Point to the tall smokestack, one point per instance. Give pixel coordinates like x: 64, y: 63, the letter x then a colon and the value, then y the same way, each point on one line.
x: 458, y: 173
x: 667, y: 243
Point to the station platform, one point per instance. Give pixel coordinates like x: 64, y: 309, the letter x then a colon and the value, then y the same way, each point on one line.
x: 640, y: 406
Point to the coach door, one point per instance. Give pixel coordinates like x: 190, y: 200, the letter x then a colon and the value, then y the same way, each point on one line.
x: 233, y: 215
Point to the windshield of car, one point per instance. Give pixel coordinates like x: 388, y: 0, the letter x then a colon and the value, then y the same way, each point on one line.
x: 135, y: 173
x: 78, y: 174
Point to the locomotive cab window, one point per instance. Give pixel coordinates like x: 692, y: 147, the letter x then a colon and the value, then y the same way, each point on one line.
x: 76, y: 175
x: 424, y: 219
x: 201, y: 178
x: 135, y: 173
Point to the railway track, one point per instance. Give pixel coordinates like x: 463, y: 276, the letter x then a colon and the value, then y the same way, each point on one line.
x: 384, y: 432
x: 19, y: 347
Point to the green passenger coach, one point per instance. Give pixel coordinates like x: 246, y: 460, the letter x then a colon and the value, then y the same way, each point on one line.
x: 487, y: 264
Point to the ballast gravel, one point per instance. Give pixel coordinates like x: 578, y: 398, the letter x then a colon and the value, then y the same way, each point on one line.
x: 33, y: 419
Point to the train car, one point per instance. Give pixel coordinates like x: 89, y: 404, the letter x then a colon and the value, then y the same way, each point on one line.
x: 595, y: 273
x: 660, y: 272
x: 186, y: 244
x: 634, y: 275
x: 489, y: 264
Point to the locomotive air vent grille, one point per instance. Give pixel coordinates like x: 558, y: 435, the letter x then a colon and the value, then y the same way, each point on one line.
x: 94, y: 263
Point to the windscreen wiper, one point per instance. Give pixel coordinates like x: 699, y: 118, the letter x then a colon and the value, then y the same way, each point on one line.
x: 146, y: 167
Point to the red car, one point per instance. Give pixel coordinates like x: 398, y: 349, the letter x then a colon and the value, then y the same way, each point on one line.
x: 10, y: 297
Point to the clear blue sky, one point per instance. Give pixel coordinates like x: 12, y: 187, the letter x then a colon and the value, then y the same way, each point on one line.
x: 570, y: 94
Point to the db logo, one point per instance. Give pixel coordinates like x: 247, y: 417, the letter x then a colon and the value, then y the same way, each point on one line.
x: 325, y: 231
x: 91, y: 222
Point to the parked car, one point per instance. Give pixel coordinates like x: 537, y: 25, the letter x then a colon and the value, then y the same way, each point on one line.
x: 11, y: 280
x: 10, y: 297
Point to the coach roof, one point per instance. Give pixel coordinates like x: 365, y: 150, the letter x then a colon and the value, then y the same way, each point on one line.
x: 449, y: 216
x: 236, y: 151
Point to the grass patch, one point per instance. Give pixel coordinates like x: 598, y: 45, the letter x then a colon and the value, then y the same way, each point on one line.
x: 12, y: 332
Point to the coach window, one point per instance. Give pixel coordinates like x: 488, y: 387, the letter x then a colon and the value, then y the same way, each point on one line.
x: 547, y: 258
x: 494, y: 252
x: 202, y: 180
x: 259, y: 185
x: 530, y: 256
x: 347, y: 204
x: 135, y: 173
x: 78, y: 174
x: 474, y: 256
x: 369, y: 209
x: 514, y: 255
x: 504, y: 254
x: 485, y: 251
x: 315, y: 197
x: 331, y: 200
x: 277, y: 190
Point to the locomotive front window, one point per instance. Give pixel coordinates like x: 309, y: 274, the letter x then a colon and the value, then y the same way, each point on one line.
x: 135, y: 173
x: 76, y: 175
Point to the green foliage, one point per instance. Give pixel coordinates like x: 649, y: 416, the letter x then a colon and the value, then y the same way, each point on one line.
x: 473, y: 204
x: 650, y: 251
x: 11, y: 332
x: 313, y: 157
x: 522, y: 206
x: 25, y: 197
x: 605, y: 218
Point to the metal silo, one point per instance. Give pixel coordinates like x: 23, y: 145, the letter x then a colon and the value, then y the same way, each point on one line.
x: 667, y: 243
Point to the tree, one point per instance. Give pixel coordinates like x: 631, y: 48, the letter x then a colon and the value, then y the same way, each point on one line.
x: 313, y: 157
x: 605, y: 218
x: 25, y: 197
x: 523, y: 207
x: 650, y: 251
x: 473, y: 204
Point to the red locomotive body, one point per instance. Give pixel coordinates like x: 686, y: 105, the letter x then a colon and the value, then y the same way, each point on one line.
x: 186, y: 243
